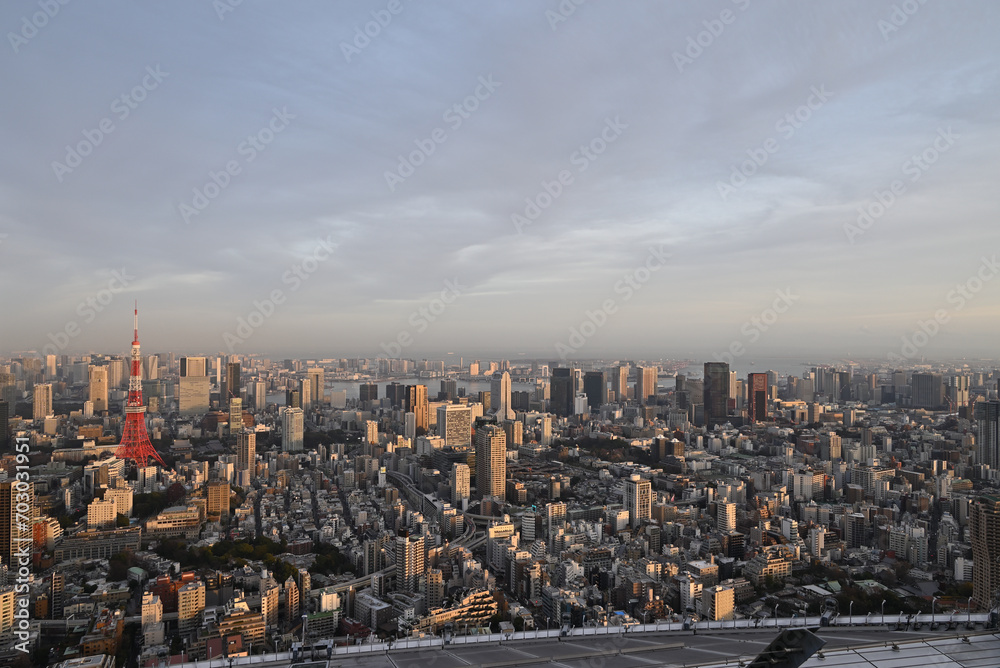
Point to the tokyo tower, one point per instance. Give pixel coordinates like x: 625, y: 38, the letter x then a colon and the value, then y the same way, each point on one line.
x: 135, y: 443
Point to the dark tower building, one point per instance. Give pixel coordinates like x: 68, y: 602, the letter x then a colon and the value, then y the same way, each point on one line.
x: 757, y: 394
x: 716, y: 392
x: 232, y: 380
x: 561, y: 391
x: 596, y: 388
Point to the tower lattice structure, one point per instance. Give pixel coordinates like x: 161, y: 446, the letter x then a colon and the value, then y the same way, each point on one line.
x: 135, y: 443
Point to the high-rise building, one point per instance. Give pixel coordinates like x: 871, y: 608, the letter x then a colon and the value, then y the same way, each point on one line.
x: 190, y: 605
x: 410, y: 562
x: 193, y: 393
x: 259, y: 395
x: 235, y: 415
x: 596, y: 388
x: 927, y: 390
x: 246, y: 451
x: 725, y: 520
x: 459, y: 479
x: 368, y: 392
x: 638, y: 499
x: 292, y: 430
x: 561, y: 391
x: 317, y: 381
x: 97, y: 390
x: 987, y: 415
x: 4, y: 424
x: 716, y: 393
x: 231, y: 383
x: 619, y: 383
x: 417, y: 403
x: 192, y: 367
x: 757, y: 391
x: 454, y: 424
x: 42, y: 401
x: 269, y: 599
x: 719, y: 602
x: 305, y: 394
x: 491, y: 462
x: 645, y: 384
x: 500, y: 396
x: 218, y: 498
x: 101, y: 514
x: 984, y: 532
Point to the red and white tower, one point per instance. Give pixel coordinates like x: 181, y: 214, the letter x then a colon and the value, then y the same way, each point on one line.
x: 135, y: 443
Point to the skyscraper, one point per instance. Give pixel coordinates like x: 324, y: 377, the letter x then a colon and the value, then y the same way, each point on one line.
x: 231, y: 387
x: 757, y: 390
x: 15, y: 525
x: 4, y: 424
x: 596, y: 388
x: 192, y: 366
x: 927, y: 390
x: 491, y: 461
x: 417, y: 403
x: 41, y: 401
x: 500, y: 396
x: 292, y: 428
x: 97, y: 390
x: 987, y: 415
x: 984, y: 532
x: 410, y: 562
x: 638, y: 499
x: 619, y: 383
x: 561, y: 391
x: 246, y: 450
x: 317, y: 380
x: 716, y: 393
x: 454, y: 424
x: 645, y: 384
x: 459, y: 479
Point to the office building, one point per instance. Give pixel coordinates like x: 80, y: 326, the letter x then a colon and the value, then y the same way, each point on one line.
x: 193, y: 394
x: 716, y: 393
x: 292, y: 430
x: 500, y: 396
x: 454, y: 425
x: 619, y: 383
x: 231, y: 383
x: 645, y: 384
x: 97, y: 390
x: 491, y: 462
x: 317, y: 381
x: 987, y: 416
x: 192, y: 367
x: 596, y: 388
x: 561, y: 392
x: 101, y: 514
x: 367, y: 392
x: 927, y: 391
x: 417, y: 403
x: 757, y: 394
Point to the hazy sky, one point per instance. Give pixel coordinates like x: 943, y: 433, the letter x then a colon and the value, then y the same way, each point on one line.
x: 637, y: 117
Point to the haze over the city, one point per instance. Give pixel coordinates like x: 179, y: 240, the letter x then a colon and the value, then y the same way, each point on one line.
x: 669, y: 169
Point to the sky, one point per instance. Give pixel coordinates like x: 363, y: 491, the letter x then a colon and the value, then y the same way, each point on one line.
x: 644, y: 179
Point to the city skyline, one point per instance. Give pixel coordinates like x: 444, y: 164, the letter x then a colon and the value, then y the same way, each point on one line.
x: 795, y: 180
